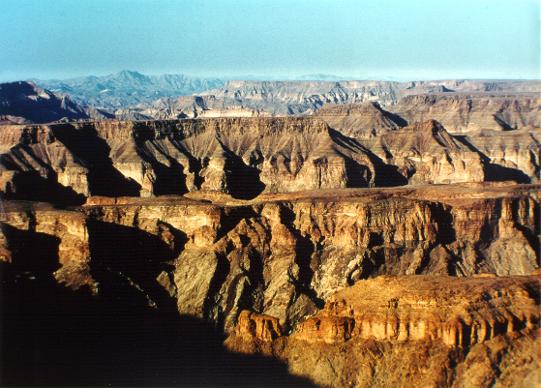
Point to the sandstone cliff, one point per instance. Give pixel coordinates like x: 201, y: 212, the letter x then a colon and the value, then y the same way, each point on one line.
x: 282, y: 257
x: 461, y: 330
x: 461, y: 113
x: 244, y: 157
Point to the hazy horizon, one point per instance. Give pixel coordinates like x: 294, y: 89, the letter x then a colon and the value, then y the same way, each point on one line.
x: 317, y: 77
x: 278, y: 39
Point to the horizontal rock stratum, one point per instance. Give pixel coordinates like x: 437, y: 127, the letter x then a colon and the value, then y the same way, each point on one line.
x: 244, y: 157
x: 374, y: 332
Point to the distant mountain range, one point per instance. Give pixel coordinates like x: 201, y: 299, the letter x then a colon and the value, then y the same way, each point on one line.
x: 462, y: 105
x: 130, y: 94
x: 128, y: 88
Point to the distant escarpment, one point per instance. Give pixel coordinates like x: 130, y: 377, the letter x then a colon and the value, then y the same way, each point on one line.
x: 244, y: 157
x: 474, y: 112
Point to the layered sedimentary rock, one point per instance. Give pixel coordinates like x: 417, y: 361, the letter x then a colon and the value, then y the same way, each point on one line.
x: 244, y: 157
x: 427, y: 153
x: 360, y: 120
x: 461, y: 113
x: 261, y: 268
x: 304, y: 97
x: 456, y: 327
x: 38, y: 237
x: 509, y: 155
x: 279, y: 233
x: 285, y: 257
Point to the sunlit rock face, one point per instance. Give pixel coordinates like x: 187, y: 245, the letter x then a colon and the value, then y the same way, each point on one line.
x: 403, y: 327
x: 244, y: 157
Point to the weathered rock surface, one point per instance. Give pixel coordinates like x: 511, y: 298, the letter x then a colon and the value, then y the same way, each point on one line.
x: 462, y: 330
x: 260, y: 268
x: 279, y: 98
x: 244, y: 157
x: 285, y: 257
x: 461, y: 112
x: 36, y: 236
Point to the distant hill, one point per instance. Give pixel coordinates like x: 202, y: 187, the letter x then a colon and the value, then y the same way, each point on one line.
x: 24, y: 102
x: 128, y: 88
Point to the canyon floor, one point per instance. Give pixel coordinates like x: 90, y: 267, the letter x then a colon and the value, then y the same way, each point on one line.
x: 351, y: 247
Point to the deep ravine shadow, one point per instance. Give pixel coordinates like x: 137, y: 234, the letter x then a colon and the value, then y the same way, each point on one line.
x: 93, y: 153
x: 495, y: 172
x: 386, y: 175
x: 54, y: 336
x: 31, y: 186
x: 243, y: 181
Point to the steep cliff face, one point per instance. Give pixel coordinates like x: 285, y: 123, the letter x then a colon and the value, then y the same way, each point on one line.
x: 244, y: 157
x: 426, y: 153
x: 511, y: 154
x: 285, y: 257
x: 461, y: 113
x: 454, y: 325
x: 40, y: 238
x: 360, y: 120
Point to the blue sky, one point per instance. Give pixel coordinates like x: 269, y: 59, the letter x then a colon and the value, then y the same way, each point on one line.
x: 399, y: 39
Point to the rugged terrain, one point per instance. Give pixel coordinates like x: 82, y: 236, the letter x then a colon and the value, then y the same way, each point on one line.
x: 461, y: 105
x: 358, y: 246
x: 127, y: 88
x: 244, y: 157
x: 308, y: 263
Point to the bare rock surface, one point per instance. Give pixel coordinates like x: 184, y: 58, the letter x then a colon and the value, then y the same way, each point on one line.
x: 245, y: 157
x: 436, y: 331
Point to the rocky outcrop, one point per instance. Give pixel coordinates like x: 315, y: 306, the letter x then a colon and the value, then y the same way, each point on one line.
x: 262, y: 268
x: 426, y: 153
x: 464, y: 113
x: 284, y: 257
x: 360, y: 121
x: 454, y: 325
x: 465, y: 312
x: 40, y: 238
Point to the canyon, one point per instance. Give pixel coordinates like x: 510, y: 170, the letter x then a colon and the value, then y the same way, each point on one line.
x: 389, y: 236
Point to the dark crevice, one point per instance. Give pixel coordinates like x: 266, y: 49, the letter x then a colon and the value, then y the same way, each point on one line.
x: 495, y: 172
x: 303, y: 256
x: 531, y: 235
x: 242, y: 181
x: 169, y: 179
x: 443, y: 217
x: 211, y: 308
x: 30, y: 185
x: 124, y: 257
x: 385, y: 175
x: 232, y: 216
x: 93, y: 153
